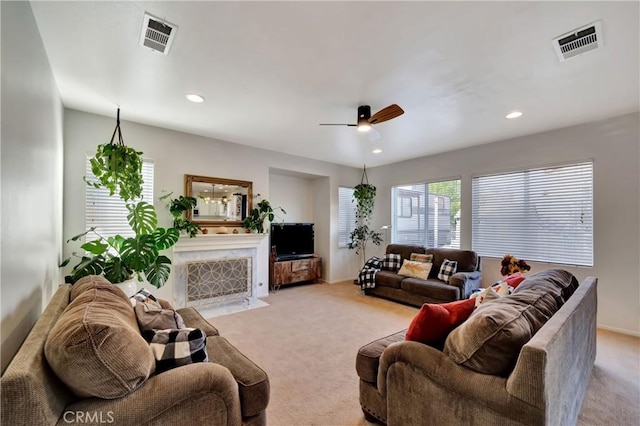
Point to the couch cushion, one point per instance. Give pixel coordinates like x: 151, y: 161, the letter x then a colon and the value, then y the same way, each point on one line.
x: 388, y: 279
x: 467, y: 259
x: 415, y: 269
x: 151, y: 318
x: 405, y: 250
x: 253, y: 382
x: 559, y: 283
x: 489, y: 342
x: 431, y: 288
x: 434, y: 322
x: 95, y: 347
x: 368, y: 358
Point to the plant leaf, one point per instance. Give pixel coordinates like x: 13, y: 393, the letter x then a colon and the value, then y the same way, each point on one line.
x: 87, y: 266
x: 95, y: 247
x: 116, y: 271
x: 77, y: 237
x: 138, y: 253
x: 142, y: 217
x: 165, y: 238
x: 158, y: 272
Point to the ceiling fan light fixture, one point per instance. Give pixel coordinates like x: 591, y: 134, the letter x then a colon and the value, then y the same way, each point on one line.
x: 514, y: 114
x: 377, y: 151
x: 363, y: 125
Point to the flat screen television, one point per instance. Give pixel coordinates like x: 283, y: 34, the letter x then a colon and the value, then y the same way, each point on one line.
x: 292, y: 240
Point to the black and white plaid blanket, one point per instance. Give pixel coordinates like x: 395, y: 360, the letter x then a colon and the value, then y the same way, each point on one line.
x: 174, y: 348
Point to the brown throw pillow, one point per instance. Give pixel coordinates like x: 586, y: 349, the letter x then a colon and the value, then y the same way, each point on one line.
x: 151, y: 318
x: 95, y: 347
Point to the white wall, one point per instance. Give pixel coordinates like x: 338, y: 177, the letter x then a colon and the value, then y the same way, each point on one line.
x: 294, y: 194
x: 176, y: 154
x: 31, y: 177
x: 613, y: 144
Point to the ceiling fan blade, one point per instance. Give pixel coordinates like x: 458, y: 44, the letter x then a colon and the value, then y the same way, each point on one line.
x: 385, y: 114
x: 337, y: 124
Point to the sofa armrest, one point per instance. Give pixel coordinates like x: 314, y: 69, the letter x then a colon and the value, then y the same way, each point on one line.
x: 466, y: 282
x: 419, y: 381
x: 203, y: 393
x: 436, y: 366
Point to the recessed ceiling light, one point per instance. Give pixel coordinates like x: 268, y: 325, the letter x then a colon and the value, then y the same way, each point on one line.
x: 514, y: 114
x: 377, y: 151
x: 195, y: 98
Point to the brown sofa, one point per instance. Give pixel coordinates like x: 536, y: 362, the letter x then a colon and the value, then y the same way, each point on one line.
x: 228, y: 390
x: 410, y: 383
x: 414, y: 291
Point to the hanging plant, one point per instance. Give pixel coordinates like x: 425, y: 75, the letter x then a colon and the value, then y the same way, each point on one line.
x: 365, y: 196
x: 118, y: 167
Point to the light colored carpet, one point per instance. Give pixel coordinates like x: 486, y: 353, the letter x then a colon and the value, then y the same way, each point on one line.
x: 307, y: 340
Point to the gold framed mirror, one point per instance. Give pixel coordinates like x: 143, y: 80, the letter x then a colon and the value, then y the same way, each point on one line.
x: 220, y: 202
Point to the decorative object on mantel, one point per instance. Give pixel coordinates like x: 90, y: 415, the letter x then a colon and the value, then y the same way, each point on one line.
x: 118, y: 167
x: 205, y: 230
x: 235, y: 230
x: 222, y: 230
x: 120, y: 259
x: 255, y: 221
x: 511, y: 265
x: 365, y: 196
x: 178, y: 207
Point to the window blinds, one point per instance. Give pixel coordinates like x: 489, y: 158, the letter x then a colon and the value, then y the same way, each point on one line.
x: 543, y: 214
x: 109, y: 213
x: 346, y: 215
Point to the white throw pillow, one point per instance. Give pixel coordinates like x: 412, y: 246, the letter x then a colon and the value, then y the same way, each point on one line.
x: 415, y: 269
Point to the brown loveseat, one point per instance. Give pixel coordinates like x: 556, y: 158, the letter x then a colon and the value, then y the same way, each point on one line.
x: 410, y: 383
x: 415, y: 291
x: 228, y: 390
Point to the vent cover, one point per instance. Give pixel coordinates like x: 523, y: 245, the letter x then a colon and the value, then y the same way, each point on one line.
x: 579, y: 41
x: 156, y: 34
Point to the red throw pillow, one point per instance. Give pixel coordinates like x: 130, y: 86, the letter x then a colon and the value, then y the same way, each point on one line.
x: 434, y: 322
x: 514, y: 279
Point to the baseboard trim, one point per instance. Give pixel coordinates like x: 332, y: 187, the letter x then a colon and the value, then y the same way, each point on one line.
x: 619, y: 330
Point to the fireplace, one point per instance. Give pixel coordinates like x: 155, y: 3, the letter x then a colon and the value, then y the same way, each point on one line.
x: 214, y: 270
x: 218, y: 281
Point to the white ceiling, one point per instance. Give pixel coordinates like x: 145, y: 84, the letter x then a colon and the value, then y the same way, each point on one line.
x: 270, y: 72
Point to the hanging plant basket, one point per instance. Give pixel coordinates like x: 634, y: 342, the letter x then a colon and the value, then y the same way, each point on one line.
x: 118, y: 167
x: 365, y: 196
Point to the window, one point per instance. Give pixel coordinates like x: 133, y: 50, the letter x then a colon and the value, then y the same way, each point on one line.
x: 346, y: 215
x: 426, y: 214
x: 109, y: 213
x: 541, y: 214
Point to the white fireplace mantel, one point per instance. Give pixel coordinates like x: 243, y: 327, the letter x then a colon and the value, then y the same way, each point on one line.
x: 218, y: 242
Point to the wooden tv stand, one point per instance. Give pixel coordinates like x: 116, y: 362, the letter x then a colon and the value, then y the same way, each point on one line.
x: 294, y: 271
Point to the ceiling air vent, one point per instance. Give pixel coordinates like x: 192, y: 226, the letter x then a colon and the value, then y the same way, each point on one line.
x: 156, y: 34
x: 579, y: 41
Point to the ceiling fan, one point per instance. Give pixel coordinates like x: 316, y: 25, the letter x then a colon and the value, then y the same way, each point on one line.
x: 366, y: 120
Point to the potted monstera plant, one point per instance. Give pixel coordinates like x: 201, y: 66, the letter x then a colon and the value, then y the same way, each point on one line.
x: 121, y: 259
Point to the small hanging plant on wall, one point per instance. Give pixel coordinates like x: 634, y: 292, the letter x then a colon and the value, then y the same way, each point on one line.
x: 118, y: 167
x: 365, y: 197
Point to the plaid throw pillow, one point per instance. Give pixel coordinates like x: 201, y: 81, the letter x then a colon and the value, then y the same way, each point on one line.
x: 145, y: 296
x: 424, y: 258
x: 174, y: 348
x: 367, y: 278
x: 391, y: 262
x: 447, y: 269
x: 373, y: 263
